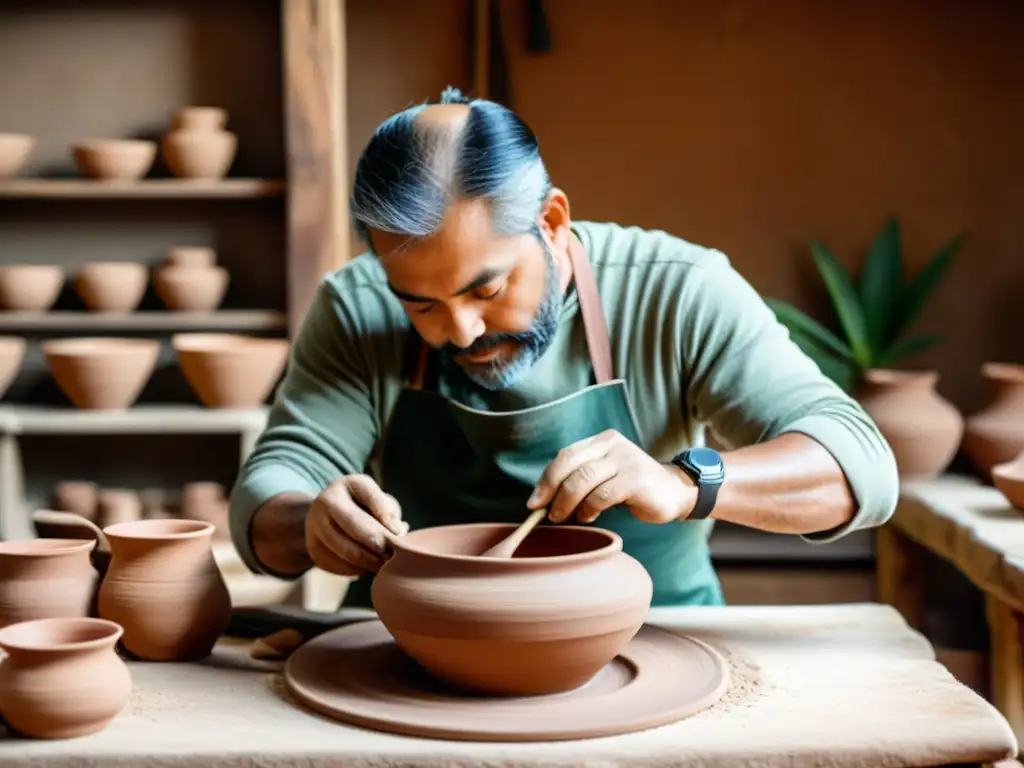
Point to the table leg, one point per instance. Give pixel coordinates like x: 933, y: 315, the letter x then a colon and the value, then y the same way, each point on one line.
x: 1006, y: 675
x: 900, y: 571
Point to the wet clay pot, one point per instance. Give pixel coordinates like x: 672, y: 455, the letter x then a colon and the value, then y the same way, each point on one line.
x: 46, y: 578
x: 114, y: 159
x: 1008, y: 478
x: 12, y: 352
x: 15, y: 150
x: 191, y: 289
x: 165, y: 589
x: 922, y: 427
x: 230, y: 370
x: 995, y: 434
x: 101, y: 373
x: 62, y: 678
x: 545, y: 621
x: 198, y: 146
x: 30, y: 287
x: 112, y: 286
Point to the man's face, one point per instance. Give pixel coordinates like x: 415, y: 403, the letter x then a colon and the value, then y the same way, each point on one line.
x: 491, y: 304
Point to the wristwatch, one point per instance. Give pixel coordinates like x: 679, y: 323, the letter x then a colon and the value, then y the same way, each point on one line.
x: 706, y: 468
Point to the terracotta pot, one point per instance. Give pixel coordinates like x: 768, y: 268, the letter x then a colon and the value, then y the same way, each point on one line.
x: 12, y: 352
x: 78, y: 496
x: 545, y: 621
x: 164, y: 587
x: 46, y: 578
x: 115, y: 159
x: 199, y: 153
x: 191, y: 256
x: 118, y: 505
x: 200, y: 118
x: 30, y: 287
x: 230, y: 370
x: 15, y: 150
x: 191, y: 289
x: 112, y: 286
x: 101, y: 373
x: 922, y: 427
x: 62, y: 677
x: 207, y: 502
x: 995, y: 435
x: 1008, y: 478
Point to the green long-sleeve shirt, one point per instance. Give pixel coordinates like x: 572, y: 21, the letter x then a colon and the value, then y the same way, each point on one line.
x: 695, y: 344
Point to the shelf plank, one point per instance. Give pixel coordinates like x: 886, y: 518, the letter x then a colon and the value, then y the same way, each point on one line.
x: 143, y: 419
x: 224, y: 320
x: 146, y: 188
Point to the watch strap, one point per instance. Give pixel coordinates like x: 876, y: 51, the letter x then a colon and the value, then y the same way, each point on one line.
x: 707, y: 494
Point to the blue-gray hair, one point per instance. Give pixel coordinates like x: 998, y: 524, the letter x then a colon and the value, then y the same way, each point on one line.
x: 412, y: 171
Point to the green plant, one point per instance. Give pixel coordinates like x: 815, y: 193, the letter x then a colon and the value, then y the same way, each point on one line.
x: 875, y: 310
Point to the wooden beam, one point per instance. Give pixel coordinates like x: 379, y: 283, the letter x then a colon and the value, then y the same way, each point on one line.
x: 315, y: 134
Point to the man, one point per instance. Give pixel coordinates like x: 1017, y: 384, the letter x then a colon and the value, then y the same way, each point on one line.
x: 491, y: 355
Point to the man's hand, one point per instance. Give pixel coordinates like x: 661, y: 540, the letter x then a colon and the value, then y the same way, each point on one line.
x: 348, y: 525
x: 603, y: 471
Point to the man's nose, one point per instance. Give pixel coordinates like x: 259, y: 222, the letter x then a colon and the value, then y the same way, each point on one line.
x: 464, y: 326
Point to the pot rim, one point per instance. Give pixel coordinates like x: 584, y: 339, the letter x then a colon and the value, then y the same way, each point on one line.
x: 612, y: 544
x: 90, y: 346
x: 109, y: 638
x: 25, y: 547
x: 1011, y: 373
x: 159, y: 530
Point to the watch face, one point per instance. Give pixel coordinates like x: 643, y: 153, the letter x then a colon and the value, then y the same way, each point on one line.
x: 705, y: 458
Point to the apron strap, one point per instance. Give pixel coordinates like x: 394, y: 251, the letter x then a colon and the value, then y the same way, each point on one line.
x: 594, y: 324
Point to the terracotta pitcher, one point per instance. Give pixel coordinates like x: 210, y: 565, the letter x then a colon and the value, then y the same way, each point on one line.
x: 46, y: 578
x: 995, y: 434
x: 61, y: 677
x: 165, y: 589
x: 922, y: 427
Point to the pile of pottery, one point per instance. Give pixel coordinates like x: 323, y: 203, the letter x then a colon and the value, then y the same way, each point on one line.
x: 15, y: 150
x: 161, y: 598
x: 926, y: 431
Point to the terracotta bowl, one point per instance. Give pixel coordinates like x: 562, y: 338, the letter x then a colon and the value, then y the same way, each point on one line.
x: 191, y: 256
x: 200, y: 118
x: 101, y: 373
x: 112, y: 286
x: 30, y: 287
x: 543, y: 622
x: 12, y: 352
x: 191, y: 289
x: 115, y: 159
x: 1008, y: 478
x: 230, y: 370
x: 15, y: 150
x: 199, y: 154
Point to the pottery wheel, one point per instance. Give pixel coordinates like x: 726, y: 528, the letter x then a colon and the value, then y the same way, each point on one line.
x: 357, y: 674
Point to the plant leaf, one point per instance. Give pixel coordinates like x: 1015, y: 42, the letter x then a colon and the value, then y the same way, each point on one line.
x: 919, y: 290
x: 842, y: 371
x: 801, y: 324
x: 907, y: 348
x: 844, y: 300
x: 880, y: 283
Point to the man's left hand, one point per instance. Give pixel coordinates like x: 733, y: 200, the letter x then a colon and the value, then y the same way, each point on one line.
x: 603, y: 471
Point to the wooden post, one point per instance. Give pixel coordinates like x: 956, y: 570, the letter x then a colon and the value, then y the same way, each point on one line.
x: 315, y: 135
x: 1006, y: 677
x: 899, y: 573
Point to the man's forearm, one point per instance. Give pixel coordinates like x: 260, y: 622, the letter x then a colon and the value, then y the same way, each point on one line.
x: 279, y: 534
x: 790, y: 484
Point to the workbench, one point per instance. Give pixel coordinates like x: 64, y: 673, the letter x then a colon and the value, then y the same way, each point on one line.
x: 973, y: 526
x: 845, y: 686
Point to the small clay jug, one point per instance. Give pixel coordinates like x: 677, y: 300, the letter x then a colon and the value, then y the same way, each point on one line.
x: 922, y: 427
x: 62, y: 677
x: 164, y: 587
x: 46, y: 578
x: 198, y: 146
x: 995, y: 435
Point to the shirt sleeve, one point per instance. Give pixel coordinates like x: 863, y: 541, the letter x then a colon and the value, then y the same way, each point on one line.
x: 751, y: 383
x: 322, y: 423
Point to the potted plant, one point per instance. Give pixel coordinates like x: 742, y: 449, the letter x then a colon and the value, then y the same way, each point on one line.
x: 876, y: 310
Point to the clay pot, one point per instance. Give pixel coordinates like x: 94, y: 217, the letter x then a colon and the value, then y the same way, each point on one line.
x: 101, y: 373
x: 15, y: 150
x: 164, y: 587
x: 112, y: 286
x: 12, y: 352
x: 230, y: 370
x: 191, y: 256
x: 1008, y: 478
x: 200, y: 118
x: 45, y: 578
x: 115, y: 159
x: 62, y: 677
x: 30, y: 287
x: 207, y: 502
x: 198, y: 147
x: 78, y: 496
x: 545, y: 621
x: 995, y: 435
x: 118, y: 505
x: 922, y: 427
x: 191, y: 289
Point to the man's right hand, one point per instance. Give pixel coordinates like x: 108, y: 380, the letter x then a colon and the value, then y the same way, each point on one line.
x: 348, y: 524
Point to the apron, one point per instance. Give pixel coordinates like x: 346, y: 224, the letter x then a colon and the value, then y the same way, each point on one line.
x: 447, y: 463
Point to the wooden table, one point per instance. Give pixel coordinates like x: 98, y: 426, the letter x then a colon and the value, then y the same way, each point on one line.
x: 970, y: 524
x: 837, y: 686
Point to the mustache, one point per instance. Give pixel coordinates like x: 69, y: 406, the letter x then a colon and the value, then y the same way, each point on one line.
x: 485, y: 343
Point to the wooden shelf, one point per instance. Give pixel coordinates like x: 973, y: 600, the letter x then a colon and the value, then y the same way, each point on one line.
x: 143, y: 419
x: 86, y: 189
x: 224, y: 320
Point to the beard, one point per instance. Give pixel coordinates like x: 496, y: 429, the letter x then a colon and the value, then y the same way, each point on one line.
x: 527, y: 346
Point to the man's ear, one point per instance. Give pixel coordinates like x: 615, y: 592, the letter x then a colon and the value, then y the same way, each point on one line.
x: 555, y: 221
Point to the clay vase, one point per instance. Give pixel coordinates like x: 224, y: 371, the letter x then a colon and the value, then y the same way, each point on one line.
x: 15, y: 149
x: 101, y: 373
x: 30, y: 287
x: 230, y: 370
x: 62, y: 678
x: 995, y: 435
x: 545, y: 621
x: 114, y: 159
x: 164, y: 587
x: 78, y: 496
x: 198, y: 146
x: 46, y: 578
x: 12, y: 352
x: 922, y: 427
x: 112, y: 286
x: 207, y: 502
x: 1008, y: 479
